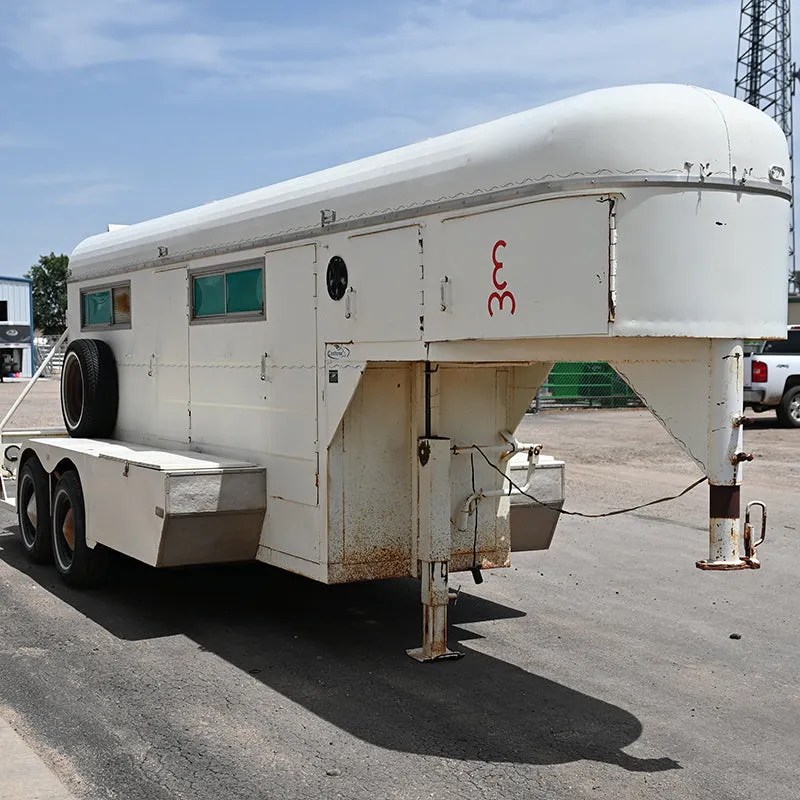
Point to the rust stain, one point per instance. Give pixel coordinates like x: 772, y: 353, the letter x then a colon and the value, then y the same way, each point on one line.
x: 369, y: 571
x: 749, y: 561
x: 68, y: 529
x: 724, y: 502
x: 744, y: 563
x: 497, y: 559
x: 749, y: 551
x: 379, y: 553
x: 122, y: 302
x: 434, y: 631
x: 750, y: 547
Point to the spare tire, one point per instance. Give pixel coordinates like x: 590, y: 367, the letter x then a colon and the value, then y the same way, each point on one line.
x: 89, y: 389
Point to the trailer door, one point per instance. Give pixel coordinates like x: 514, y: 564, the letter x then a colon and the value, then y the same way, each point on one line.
x: 291, y: 391
x: 531, y: 270
x: 291, y: 374
x: 227, y: 343
x: 170, y: 357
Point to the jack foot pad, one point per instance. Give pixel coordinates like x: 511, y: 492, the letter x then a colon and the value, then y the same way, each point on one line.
x: 448, y: 655
x: 724, y: 566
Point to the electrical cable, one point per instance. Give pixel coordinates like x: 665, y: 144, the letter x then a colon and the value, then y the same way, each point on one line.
x: 475, y: 540
x: 475, y: 570
x: 568, y: 513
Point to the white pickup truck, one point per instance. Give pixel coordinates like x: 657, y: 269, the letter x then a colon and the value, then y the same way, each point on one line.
x: 772, y: 378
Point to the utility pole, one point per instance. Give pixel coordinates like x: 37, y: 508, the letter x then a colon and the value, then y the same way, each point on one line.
x: 765, y: 78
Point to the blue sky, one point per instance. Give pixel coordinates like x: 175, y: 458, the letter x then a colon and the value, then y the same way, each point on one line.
x: 122, y: 110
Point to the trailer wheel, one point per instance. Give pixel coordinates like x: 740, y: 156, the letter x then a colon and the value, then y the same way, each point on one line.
x: 89, y: 389
x: 80, y: 566
x: 788, y: 412
x: 33, y: 511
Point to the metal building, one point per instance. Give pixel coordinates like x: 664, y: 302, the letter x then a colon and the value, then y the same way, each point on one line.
x: 16, y: 325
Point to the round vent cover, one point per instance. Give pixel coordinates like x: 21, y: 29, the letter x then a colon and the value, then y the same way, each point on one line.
x: 336, y: 278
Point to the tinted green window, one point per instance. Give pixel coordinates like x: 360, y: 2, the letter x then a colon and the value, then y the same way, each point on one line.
x: 245, y: 291
x: 97, y: 308
x: 209, y: 295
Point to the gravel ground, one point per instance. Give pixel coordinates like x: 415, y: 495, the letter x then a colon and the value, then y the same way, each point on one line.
x: 40, y: 409
x: 603, y: 668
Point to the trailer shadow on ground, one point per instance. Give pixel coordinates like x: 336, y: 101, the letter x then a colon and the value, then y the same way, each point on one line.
x: 338, y: 651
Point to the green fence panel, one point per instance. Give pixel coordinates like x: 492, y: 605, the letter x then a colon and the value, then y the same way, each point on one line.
x: 587, y: 384
x: 565, y: 379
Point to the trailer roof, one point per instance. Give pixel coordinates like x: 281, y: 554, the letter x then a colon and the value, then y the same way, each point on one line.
x: 625, y: 132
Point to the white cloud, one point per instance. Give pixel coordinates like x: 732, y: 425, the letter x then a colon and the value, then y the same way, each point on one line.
x: 73, y: 34
x: 418, y: 68
x: 91, y: 193
x: 74, y: 188
x: 542, y: 43
x: 47, y: 179
x: 363, y: 135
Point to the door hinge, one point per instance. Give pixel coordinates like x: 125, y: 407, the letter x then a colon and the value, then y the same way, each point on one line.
x: 612, y: 259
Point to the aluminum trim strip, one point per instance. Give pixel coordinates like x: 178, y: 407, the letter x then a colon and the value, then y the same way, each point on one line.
x: 550, y: 189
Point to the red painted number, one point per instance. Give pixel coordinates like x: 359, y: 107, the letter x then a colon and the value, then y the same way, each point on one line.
x: 498, y: 265
x: 500, y: 298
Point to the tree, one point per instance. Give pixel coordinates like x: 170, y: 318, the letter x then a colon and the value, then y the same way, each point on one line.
x: 49, y: 278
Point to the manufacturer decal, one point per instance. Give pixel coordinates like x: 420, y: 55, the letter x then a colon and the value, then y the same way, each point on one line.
x: 338, y: 351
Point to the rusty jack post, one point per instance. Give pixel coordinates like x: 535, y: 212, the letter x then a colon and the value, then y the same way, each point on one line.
x: 433, y: 469
x: 724, y: 510
x: 725, y: 458
x: 725, y: 553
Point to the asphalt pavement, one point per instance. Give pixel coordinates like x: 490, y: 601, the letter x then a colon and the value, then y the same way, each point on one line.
x: 603, y: 668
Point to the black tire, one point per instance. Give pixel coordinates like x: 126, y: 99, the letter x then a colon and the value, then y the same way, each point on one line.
x: 33, y: 511
x: 79, y: 565
x: 788, y: 412
x: 89, y: 389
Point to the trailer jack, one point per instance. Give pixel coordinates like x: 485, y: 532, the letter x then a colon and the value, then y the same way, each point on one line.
x: 750, y: 558
x: 433, y: 457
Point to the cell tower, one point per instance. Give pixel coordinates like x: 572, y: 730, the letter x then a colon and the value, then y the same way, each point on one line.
x: 765, y: 76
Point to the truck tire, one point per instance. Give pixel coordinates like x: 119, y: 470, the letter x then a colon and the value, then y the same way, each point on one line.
x: 89, y: 389
x: 79, y: 565
x: 788, y: 412
x: 33, y: 511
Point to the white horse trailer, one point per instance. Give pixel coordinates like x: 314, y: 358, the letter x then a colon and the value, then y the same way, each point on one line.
x: 325, y: 375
